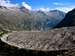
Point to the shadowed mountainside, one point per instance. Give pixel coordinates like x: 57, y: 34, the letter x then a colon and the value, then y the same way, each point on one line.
x: 68, y: 21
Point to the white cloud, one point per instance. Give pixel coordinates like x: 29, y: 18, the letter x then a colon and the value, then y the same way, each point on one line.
x: 65, y: 9
x: 60, y: 6
x: 7, y: 3
x: 43, y: 9
x: 26, y: 5
x: 56, y: 3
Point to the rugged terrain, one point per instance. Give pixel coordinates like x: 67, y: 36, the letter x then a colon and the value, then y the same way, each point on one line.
x: 23, y: 19
x: 56, y: 39
x: 54, y: 42
x: 68, y: 21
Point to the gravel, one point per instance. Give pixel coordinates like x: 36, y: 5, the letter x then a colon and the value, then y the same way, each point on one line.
x: 57, y: 39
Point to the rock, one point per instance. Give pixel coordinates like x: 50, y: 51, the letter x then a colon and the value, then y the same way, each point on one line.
x: 57, y: 39
x: 68, y: 21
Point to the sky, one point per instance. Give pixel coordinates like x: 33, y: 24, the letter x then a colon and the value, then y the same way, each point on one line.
x: 44, y: 5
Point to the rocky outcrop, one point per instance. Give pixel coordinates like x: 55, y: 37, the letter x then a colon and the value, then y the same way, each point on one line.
x: 3, y: 7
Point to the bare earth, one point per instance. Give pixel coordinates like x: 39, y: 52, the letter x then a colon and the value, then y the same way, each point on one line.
x: 57, y: 39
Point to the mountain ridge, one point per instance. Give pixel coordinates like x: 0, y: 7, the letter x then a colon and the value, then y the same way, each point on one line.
x: 29, y: 20
x: 68, y: 21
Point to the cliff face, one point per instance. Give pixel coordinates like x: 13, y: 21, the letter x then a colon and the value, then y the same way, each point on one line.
x: 69, y: 20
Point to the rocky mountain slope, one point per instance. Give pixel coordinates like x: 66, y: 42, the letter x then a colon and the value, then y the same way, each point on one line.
x: 23, y: 19
x: 68, y: 21
x: 61, y: 39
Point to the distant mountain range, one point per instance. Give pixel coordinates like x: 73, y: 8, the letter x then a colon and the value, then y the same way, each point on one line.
x: 68, y: 21
x: 14, y: 18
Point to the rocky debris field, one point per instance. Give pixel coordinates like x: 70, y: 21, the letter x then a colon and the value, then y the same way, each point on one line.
x: 57, y: 39
x: 60, y: 41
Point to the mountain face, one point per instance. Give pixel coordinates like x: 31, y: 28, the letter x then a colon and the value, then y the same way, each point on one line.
x: 23, y: 19
x: 3, y: 7
x: 68, y: 21
x: 57, y: 16
x: 47, y: 20
x: 23, y: 9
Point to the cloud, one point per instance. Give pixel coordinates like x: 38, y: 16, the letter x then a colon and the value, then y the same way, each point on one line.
x: 56, y: 3
x: 65, y: 9
x: 26, y: 5
x: 60, y: 6
x: 7, y: 3
x: 43, y: 9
